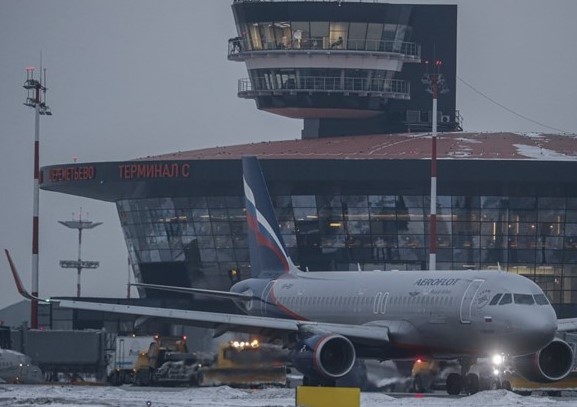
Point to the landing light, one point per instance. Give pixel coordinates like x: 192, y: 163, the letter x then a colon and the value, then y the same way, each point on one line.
x: 497, y: 359
x: 496, y: 372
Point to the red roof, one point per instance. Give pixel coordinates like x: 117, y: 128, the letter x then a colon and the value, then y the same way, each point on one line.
x: 488, y: 146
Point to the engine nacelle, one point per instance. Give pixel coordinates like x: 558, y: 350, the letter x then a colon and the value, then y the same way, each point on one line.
x: 553, y: 362
x: 324, y: 357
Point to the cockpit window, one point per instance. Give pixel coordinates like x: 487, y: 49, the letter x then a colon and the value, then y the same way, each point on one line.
x: 495, y: 299
x: 507, y: 299
x: 541, y: 299
x: 524, y: 299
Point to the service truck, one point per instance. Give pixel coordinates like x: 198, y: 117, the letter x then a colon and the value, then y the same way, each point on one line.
x: 122, y: 359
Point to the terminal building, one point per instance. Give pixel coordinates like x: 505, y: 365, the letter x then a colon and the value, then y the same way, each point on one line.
x: 504, y: 200
x: 354, y: 190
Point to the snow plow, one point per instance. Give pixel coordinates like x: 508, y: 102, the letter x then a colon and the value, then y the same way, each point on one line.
x: 246, y: 364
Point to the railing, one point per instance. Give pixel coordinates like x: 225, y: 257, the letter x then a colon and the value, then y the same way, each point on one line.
x: 392, y: 88
x: 236, y: 46
x: 312, y: 1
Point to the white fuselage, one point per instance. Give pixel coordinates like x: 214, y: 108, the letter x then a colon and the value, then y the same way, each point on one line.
x: 17, y: 368
x: 428, y: 313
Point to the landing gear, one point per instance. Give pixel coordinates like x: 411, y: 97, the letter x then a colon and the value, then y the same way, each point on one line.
x: 469, y: 382
x: 472, y: 383
x: 454, y: 384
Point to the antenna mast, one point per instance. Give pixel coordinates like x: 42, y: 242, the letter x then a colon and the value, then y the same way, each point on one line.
x: 435, y: 83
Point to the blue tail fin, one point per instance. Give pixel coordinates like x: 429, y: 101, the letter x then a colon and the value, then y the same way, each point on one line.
x: 268, y: 255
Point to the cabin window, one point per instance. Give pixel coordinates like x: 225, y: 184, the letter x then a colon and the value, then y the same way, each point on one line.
x: 507, y: 299
x: 496, y: 299
x: 541, y: 299
x: 524, y: 299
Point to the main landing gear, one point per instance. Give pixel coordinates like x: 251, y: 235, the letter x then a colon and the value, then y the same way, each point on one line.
x: 469, y: 382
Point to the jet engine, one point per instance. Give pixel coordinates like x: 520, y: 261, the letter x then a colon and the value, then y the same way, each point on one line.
x: 552, y: 363
x: 324, y: 357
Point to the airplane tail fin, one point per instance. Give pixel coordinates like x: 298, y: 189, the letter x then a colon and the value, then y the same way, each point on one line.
x: 268, y: 255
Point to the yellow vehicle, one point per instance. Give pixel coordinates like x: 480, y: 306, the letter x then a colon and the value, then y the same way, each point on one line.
x: 246, y: 364
x: 425, y: 374
x: 166, y: 362
x: 520, y: 385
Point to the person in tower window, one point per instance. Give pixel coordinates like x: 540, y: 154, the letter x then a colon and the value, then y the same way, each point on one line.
x: 337, y: 43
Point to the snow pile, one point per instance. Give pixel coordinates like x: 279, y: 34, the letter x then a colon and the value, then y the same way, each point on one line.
x: 128, y: 396
x: 377, y: 399
x: 507, y: 398
x: 272, y: 394
x: 468, y: 140
x: 542, y: 153
x: 531, y: 135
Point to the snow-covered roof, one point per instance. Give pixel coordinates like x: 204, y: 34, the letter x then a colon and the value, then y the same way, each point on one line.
x: 485, y: 146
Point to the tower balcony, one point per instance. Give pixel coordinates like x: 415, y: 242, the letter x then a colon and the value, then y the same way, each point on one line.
x: 241, y: 50
x: 347, y: 86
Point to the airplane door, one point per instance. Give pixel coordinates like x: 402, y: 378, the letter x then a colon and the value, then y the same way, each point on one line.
x: 467, y: 301
x: 266, y: 297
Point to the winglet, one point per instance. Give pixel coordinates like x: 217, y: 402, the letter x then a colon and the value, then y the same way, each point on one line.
x: 18, y: 281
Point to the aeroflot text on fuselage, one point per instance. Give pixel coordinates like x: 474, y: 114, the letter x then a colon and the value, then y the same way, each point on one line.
x: 437, y: 281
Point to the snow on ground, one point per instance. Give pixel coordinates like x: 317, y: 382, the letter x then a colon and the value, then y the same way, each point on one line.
x: 92, y: 396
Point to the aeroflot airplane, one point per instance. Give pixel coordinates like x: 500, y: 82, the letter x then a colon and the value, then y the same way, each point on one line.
x: 332, y: 318
x: 16, y: 367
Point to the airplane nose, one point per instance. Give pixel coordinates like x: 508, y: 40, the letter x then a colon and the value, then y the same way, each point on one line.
x: 537, y: 330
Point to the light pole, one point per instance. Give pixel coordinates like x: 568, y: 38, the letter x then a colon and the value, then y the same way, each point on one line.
x: 435, y: 84
x: 36, y: 99
x: 79, y: 264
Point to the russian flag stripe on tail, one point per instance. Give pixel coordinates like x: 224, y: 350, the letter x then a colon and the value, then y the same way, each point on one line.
x: 268, y: 254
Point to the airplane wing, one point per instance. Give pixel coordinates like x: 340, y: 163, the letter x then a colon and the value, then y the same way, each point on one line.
x: 567, y: 324
x: 241, y: 323
x: 201, y: 291
x: 221, y: 322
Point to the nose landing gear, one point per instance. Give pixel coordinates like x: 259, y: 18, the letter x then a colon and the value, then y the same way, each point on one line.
x: 469, y: 382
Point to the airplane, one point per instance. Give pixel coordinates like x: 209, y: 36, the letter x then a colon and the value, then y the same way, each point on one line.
x: 332, y: 319
x: 16, y: 367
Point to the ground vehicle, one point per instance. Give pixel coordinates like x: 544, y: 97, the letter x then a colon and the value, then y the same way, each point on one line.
x: 520, y: 385
x: 167, y: 362
x: 246, y: 364
x: 121, y: 362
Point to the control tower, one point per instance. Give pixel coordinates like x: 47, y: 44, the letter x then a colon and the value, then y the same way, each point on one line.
x: 346, y: 67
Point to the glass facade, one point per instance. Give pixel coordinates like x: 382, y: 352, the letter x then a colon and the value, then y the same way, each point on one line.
x: 203, y: 238
x: 346, y: 70
x: 321, y: 79
x: 356, y: 36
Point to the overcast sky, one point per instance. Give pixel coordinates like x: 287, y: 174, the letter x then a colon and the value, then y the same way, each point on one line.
x: 131, y: 78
